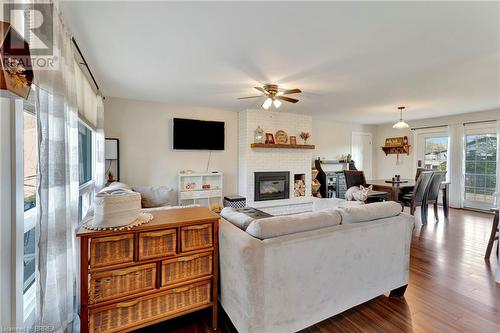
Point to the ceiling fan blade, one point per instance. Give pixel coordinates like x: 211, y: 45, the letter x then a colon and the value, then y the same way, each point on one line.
x: 287, y: 99
x: 262, y: 90
x: 249, y: 97
x: 291, y: 91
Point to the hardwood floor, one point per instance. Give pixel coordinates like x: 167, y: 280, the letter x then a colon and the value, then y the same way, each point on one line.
x: 451, y: 289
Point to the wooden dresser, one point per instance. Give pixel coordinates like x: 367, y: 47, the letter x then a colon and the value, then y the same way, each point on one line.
x: 160, y: 270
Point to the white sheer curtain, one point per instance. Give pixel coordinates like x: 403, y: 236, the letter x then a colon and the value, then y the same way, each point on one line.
x: 58, y: 190
x: 456, y: 165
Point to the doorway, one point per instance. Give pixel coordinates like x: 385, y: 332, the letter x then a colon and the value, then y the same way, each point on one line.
x: 361, y: 151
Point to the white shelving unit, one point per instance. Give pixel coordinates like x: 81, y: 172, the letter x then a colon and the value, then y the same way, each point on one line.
x: 191, y: 189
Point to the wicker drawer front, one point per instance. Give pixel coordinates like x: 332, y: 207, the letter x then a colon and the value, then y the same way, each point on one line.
x: 185, y: 268
x: 157, y: 244
x: 121, y: 282
x: 112, y: 250
x: 196, y: 237
x: 128, y: 314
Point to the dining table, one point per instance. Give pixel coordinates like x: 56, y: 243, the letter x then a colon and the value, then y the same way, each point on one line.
x: 394, y: 188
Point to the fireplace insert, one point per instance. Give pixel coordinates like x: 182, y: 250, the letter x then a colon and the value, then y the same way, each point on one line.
x: 272, y: 185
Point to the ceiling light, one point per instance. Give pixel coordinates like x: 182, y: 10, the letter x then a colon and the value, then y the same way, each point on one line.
x: 401, y: 123
x: 277, y: 103
x: 267, y: 103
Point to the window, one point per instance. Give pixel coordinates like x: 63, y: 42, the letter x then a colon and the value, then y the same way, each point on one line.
x: 86, y: 162
x: 84, y: 153
x: 480, y: 169
x: 436, y: 153
x: 30, y: 163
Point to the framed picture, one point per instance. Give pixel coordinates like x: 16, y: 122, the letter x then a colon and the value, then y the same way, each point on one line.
x: 293, y: 140
x: 270, y: 138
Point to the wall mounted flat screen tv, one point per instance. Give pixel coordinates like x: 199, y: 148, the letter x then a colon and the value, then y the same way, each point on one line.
x: 191, y: 134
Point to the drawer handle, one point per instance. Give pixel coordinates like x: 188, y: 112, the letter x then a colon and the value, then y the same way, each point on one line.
x: 180, y: 290
x: 127, y: 304
x: 111, y: 239
x: 187, y: 258
x: 125, y: 271
x: 198, y: 227
x: 158, y: 234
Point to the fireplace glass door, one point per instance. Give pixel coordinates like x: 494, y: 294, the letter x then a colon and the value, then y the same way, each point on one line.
x: 272, y: 185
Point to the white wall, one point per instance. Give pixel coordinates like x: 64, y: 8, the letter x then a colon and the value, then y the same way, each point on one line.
x: 333, y: 139
x: 145, y: 133
x: 386, y: 167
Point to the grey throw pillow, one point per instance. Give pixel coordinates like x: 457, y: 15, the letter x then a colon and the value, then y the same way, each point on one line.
x: 155, y: 196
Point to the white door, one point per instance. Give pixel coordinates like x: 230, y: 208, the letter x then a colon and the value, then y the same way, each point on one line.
x: 361, y: 151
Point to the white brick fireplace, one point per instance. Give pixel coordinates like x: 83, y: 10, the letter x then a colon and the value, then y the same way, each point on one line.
x: 251, y: 160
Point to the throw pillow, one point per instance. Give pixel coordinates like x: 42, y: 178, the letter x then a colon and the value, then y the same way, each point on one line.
x: 156, y: 196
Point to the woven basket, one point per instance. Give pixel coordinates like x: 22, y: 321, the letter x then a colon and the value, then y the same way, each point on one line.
x: 196, y: 237
x: 108, y: 285
x: 123, y: 315
x: 112, y: 250
x: 185, y: 268
x: 157, y: 244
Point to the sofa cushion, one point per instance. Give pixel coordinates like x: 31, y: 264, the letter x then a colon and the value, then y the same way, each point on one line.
x: 155, y: 196
x: 289, y: 224
x: 241, y: 220
x: 369, y: 212
x: 331, y: 203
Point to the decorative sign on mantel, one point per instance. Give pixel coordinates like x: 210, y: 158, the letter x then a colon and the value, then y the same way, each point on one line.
x: 15, y: 61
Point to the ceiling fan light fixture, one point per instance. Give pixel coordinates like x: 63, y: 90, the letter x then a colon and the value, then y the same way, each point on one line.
x: 401, y: 124
x: 277, y: 103
x: 267, y: 103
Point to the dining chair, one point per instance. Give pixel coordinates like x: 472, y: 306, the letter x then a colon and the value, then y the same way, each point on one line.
x: 431, y: 197
x: 419, y: 171
x: 494, y: 236
x: 356, y: 178
x: 408, y: 191
x: 417, y: 196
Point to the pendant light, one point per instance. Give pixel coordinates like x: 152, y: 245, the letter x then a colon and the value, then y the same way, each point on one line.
x: 401, y: 123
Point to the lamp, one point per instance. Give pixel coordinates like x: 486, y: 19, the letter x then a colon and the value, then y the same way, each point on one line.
x: 277, y: 103
x: 401, y: 123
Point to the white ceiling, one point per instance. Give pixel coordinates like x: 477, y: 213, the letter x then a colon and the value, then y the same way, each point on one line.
x: 355, y: 62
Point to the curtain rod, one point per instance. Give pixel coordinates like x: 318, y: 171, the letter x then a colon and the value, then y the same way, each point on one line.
x: 428, y: 127
x: 87, y: 65
x: 479, y: 122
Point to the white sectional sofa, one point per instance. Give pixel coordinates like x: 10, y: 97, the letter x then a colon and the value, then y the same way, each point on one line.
x: 286, y: 273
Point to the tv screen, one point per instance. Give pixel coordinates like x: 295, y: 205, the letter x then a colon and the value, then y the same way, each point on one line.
x: 198, y: 134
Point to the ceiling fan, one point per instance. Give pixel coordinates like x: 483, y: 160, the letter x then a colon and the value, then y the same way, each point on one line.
x: 274, y: 95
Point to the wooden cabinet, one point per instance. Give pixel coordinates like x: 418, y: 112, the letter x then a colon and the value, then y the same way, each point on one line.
x: 160, y: 270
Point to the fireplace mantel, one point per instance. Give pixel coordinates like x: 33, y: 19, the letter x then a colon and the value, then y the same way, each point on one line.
x: 278, y: 145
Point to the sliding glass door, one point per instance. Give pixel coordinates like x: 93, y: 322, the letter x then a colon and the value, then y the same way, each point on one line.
x: 480, y: 167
